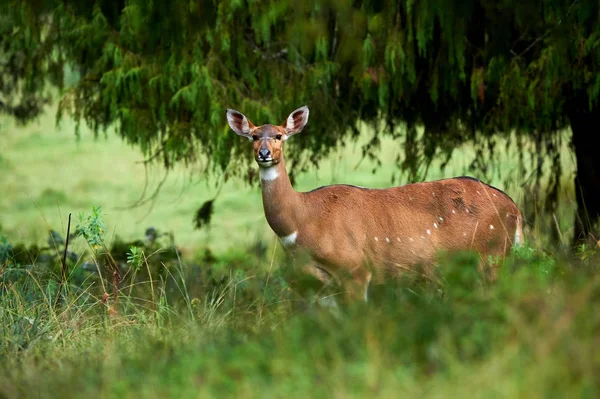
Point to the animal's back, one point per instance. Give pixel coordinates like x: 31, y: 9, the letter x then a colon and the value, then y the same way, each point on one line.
x: 402, y: 226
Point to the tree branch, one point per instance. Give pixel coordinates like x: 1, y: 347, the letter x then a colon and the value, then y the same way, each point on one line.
x: 545, y: 35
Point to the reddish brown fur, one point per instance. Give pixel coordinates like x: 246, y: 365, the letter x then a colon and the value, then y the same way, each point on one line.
x: 377, y: 232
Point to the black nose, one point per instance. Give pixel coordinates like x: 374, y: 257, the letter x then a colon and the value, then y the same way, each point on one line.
x: 264, y: 153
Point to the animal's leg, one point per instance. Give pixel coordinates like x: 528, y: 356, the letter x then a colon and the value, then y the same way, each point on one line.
x: 318, y: 272
x: 488, y: 266
x: 357, y: 287
x: 326, y: 280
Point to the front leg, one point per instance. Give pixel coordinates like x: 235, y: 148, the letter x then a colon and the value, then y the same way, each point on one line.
x: 325, y: 280
x: 356, y: 287
x: 318, y: 272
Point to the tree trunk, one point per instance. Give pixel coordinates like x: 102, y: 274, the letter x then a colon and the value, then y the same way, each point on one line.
x: 585, y: 125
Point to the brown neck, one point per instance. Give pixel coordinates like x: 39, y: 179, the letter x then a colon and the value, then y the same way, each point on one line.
x: 280, y: 200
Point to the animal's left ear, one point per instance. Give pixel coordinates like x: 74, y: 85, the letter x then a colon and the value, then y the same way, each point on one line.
x: 296, y: 121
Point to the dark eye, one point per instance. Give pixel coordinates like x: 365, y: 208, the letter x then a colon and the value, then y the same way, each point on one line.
x: 278, y: 137
x: 254, y: 138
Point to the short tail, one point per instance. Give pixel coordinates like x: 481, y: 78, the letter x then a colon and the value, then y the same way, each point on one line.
x: 519, y: 238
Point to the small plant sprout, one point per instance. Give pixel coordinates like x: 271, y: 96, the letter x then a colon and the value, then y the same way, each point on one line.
x: 135, y: 257
x: 91, y: 228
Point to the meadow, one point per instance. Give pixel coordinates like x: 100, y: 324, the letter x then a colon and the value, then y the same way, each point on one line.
x: 214, y: 316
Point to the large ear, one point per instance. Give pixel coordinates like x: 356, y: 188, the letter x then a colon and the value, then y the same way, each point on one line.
x: 239, y: 123
x: 296, y: 121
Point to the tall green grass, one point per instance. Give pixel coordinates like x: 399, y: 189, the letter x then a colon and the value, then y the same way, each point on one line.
x: 533, y: 332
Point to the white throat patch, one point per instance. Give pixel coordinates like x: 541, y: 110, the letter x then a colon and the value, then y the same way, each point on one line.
x: 268, y: 174
x: 289, y: 240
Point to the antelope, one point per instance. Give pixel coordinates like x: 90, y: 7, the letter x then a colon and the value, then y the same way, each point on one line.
x: 354, y: 235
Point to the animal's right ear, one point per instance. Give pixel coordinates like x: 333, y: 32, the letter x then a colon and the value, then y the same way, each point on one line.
x: 239, y: 123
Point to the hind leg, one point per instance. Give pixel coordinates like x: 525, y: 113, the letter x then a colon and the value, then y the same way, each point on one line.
x: 489, y: 265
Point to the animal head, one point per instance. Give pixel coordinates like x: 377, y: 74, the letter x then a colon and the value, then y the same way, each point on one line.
x: 268, y: 139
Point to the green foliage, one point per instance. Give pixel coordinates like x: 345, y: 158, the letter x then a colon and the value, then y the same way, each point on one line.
x: 19, y: 263
x: 92, y: 228
x: 163, y: 72
x: 5, y: 250
x: 30, y: 59
x: 135, y: 257
x: 533, y: 331
x: 121, y: 268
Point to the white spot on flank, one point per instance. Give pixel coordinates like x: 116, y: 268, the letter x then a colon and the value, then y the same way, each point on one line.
x: 478, y: 192
x: 494, y: 195
x: 268, y: 174
x: 465, y: 234
x: 441, y: 219
x: 432, y: 193
x: 491, y: 227
x: 423, y: 237
x: 387, y: 239
x: 467, y: 210
x: 376, y: 239
x: 398, y: 238
x: 289, y: 239
x: 435, y: 225
x: 411, y: 239
x: 453, y: 211
x: 428, y: 232
x: 410, y: 198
